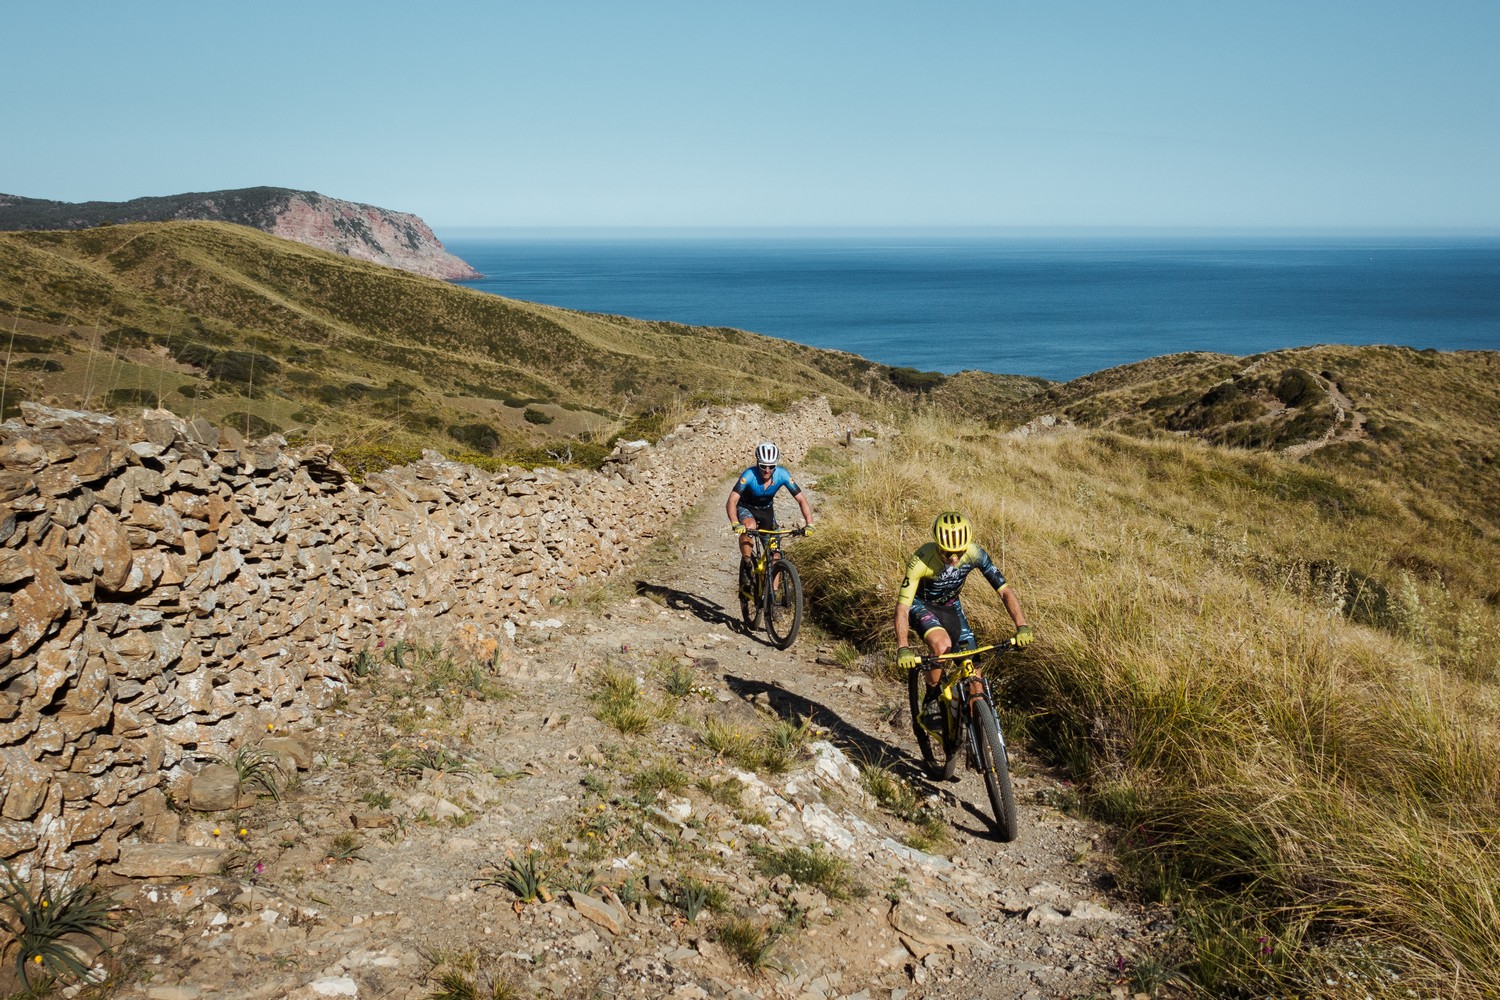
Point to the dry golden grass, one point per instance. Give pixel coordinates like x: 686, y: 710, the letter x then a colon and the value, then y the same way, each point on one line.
x: 1306, y: 770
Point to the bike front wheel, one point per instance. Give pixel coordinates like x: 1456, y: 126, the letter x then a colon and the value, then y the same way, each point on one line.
x: 996, y: 770
x: 915, y: 689
x: 783, y: 604
x: 749, y: 599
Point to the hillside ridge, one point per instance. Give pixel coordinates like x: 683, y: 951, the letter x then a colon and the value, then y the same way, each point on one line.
x: 1423, y: 421
x: 353, y: 229
x: 237, y: 326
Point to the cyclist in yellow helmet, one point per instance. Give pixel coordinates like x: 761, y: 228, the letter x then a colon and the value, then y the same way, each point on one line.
x: 928, y: 601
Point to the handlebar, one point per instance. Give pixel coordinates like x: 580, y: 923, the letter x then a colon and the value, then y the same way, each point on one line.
x: 961, y: 654
x: 772, y: 531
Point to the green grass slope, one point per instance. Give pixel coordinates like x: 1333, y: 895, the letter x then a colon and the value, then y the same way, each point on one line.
x: 227, y: 322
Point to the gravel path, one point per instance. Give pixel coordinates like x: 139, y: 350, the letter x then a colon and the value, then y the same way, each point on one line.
x: 376, y: 878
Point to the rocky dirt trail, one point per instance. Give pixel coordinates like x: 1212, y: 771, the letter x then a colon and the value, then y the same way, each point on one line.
x: 380, y: 872
x: 1348, y: 423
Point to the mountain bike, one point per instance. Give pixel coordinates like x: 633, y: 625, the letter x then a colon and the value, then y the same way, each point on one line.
x: 970, y: 729
x: 770, y: 589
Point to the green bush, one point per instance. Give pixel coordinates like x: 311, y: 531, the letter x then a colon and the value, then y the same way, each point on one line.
x: 134, y: 336
x: 236, y: 367
x: 250, y: 424
x: 119, y: 398
x: 1297, y: 388
x: 560, y: 454
x: 14, y: 396
x: 45, y: 921
x: 363, y: 459
x: 478, y: 436
x: 26, y: 344
x: 913, y: 380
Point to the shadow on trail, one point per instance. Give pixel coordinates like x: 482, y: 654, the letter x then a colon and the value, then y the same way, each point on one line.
x: 855, y: 742
x: 983, y: 830
x: 861, y: 746
x: 680, y: 600
x: 702, y: 608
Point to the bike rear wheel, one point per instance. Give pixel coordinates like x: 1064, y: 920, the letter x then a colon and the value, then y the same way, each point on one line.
x: 996, y: 770
x: 783, y: 603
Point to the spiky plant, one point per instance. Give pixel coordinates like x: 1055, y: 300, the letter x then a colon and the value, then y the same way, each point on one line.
x: 691, y: 897
x: 255, y: 767
x: 522, y: 876
x: 47, y: 918
x: 415, y: 760
x: 749, y: 941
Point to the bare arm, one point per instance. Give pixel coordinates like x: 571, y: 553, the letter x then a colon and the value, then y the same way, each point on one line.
x: 733, y: 504
x: 806, y: 510
x: 1012, y: 605
x: 903, y: 624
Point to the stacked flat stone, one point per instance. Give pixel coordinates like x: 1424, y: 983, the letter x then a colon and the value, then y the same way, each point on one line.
x: 168, y: 588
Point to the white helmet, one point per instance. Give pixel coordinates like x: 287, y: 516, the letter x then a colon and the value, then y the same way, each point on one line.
x: 766, y: 454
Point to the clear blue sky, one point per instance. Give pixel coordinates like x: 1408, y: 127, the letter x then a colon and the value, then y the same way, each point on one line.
x: 1320, y: 113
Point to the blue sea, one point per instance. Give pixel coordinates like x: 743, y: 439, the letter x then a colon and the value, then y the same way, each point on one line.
x: 1048, y: 305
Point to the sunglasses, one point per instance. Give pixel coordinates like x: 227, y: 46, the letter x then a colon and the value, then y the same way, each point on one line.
x: 766, y: 468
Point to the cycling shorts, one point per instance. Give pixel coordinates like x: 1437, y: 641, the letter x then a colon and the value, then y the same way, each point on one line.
x: 765, y: 517
x: 926, y: 618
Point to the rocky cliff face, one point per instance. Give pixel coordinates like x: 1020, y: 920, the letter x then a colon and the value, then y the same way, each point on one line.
x: 364, y: 232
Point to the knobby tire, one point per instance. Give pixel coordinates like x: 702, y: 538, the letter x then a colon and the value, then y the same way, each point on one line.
x: 916, y: 685
x: 996, y: 770
x: 749, y: 598
x: 783, y: 603
x: 953, y: 750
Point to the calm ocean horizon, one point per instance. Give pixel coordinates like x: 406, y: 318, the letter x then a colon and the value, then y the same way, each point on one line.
x: 1054, y: 306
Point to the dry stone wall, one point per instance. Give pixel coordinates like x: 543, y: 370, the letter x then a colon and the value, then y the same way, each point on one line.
x: 168, y: 588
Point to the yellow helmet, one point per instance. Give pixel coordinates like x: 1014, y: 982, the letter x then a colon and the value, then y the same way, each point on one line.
x: 951, y: 531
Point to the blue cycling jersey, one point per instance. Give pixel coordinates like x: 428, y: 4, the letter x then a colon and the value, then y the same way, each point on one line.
x: 754, y: 493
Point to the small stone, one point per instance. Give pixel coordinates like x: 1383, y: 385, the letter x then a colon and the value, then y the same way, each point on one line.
x: 183, y: 992
x: 1044, y: 914
x: 167, y: 861
x: 597, y: 910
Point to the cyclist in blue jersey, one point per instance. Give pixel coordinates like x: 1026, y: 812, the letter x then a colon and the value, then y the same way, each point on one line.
x: 751, y: 502
x: 928, y: 601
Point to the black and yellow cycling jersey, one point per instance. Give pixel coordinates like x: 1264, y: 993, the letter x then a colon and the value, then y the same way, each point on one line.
x: 931, y: 580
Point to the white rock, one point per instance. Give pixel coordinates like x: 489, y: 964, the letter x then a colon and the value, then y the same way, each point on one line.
x: 914, y: 856
x: 822, y: 822
x: 1043, y: 915
x: 1085, y: 910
